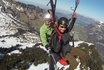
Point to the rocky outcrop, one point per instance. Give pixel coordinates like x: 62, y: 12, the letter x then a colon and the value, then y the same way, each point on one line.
x: 27, y: 14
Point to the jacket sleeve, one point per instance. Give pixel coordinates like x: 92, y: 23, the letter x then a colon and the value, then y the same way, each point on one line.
x: 71, y: 24
x: 43, y: 36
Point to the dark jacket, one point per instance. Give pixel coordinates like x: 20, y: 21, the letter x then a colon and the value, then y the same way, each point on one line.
x: 62, y: 46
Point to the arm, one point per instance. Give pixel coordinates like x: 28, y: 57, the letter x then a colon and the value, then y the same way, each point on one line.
x: 72, y: 21
x: 43, y: 35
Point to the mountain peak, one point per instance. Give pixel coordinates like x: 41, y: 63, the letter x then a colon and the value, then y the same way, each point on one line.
x: 101, y: 22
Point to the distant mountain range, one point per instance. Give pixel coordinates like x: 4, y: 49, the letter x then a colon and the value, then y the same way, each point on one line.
x: 81, y: 20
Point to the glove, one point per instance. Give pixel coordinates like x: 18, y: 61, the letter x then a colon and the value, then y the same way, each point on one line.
x: 48, y: 47
x: 74, y: 15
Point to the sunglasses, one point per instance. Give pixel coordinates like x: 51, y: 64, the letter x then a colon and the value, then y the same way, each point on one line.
x: 63, y: 26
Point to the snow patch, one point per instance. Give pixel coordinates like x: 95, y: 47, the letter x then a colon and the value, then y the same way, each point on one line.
x: 79, y: 64
x: 89, y: 44
x: 101, y: 21
x: 39, y: 67
x: 42, y: 47
x: 6, y: 3
x: 0, y: 8
x: 76, y: 44
x: 100, y: 24
x: 8, y: 42
x: 78, y: 67
x: 15, y: 52
x: 19, y: 8
x: 62, y: 66
x: 7, y: 31
x: 46, y: 66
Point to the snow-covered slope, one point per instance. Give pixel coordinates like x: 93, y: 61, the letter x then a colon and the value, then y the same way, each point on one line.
x: 7, y: 31
x: 100, y: 24
x: 6, y: 25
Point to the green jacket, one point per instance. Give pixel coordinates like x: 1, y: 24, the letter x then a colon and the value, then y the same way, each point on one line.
x: 44, y: 31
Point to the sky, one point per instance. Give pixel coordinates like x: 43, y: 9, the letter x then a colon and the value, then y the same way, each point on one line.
x: 89, y: 8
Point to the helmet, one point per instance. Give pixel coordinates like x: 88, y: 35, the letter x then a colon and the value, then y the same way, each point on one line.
x: 47, y: 17
x: 63, y: 21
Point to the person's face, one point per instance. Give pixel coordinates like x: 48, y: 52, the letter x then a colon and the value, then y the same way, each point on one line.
x: 48, y: 23
x: 62, y: 28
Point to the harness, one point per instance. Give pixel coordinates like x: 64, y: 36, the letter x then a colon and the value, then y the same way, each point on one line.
x: 52, y: 13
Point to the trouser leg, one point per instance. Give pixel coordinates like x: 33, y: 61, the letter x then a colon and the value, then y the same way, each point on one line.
x: 51, y: 64
x: 66, y: 49
x: 54, y: 57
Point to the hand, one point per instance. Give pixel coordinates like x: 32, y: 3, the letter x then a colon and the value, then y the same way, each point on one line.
x: 48, y: 47
x: 74, y: 15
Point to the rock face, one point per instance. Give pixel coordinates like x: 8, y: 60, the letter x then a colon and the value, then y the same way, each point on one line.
x: 95, y: 33
x: 28, y: 14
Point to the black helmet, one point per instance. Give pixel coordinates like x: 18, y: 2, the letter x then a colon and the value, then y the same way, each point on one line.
x: 63, y: 21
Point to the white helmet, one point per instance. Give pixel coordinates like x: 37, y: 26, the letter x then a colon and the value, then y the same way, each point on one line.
x: 47, y: 17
